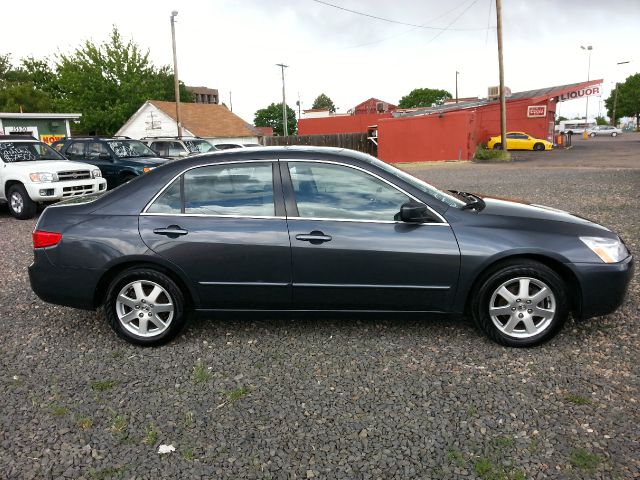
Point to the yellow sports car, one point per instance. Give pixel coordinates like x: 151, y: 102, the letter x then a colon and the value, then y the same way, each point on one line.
x: 520, y: 141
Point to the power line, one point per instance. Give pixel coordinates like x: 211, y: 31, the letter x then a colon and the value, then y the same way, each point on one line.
x: 393, y: 21
x: 452, y: 22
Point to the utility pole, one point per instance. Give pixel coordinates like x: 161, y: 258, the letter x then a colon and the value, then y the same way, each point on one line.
x: 588, y: 48
x: 175, y: 73
x: 457, y: 73
x: 503, y: 102
x: 230, y: 102
x: 284, y: 103
x: 615, y: 98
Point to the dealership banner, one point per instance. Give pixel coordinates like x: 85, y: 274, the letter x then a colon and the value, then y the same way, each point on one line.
x: 582, y: 92
x: 50, y: 138
x: 534, y: 111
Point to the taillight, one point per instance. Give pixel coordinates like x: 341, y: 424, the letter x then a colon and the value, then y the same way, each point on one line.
x: 45, y: 239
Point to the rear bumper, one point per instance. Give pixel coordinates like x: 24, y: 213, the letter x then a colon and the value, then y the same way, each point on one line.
x: 603, y: 286
x: 71, y: 287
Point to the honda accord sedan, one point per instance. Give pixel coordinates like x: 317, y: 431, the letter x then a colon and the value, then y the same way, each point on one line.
x: 302, y: 230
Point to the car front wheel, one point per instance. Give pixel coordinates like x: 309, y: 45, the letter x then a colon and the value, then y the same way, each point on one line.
x: 614, y: 134
x: 538, y: 147
x: 145, y: 307
x: 521, y: 303
x: 20, y: 204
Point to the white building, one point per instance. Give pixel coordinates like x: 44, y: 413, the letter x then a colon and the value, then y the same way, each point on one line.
x: 209, y: 121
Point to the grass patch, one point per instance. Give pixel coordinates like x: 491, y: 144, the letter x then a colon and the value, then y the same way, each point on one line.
x: 236, y: 394
x: 84, y: 422
x: 483, y: 154
x: 504, y: 442
x: 455, y: 457
x: 150, y: 435
x: 577, y: 399
x: 118, y: 423
x: 472, y: 411
x: 188, y: 420
x: 107, y: 473
x: 201, y: 373
x: 584, y: 460
x: 483, y: 467
x: 486, y: 470
x: 103, y: 385
x: 189, y: 454
x: 58, y: 410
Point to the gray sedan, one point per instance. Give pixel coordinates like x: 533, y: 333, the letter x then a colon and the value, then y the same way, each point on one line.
x: 607, y: 130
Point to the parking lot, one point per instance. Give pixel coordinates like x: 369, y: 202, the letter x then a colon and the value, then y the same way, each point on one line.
x: 348, y: 398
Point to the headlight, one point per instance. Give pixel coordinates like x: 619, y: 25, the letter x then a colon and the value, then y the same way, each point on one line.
x: 609, y: 250
x: 96, y: 173
x: 43, y: 177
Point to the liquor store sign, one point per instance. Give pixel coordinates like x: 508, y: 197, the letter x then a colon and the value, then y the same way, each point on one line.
x: 583, y: 92
x: 535, y: 111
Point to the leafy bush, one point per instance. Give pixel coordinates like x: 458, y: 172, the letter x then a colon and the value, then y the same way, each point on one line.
x: 483, y: 154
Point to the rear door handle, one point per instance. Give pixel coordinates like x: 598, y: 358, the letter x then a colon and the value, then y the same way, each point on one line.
x: 171, y: 230
x: 315, y: 237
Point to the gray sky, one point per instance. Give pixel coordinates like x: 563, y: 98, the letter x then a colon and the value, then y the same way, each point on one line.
x: 233, y: 45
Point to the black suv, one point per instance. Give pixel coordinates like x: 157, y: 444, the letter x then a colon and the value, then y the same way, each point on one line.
x: 119, y: 158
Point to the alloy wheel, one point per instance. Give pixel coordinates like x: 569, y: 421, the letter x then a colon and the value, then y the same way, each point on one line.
x: 144, y: 308
x: 17, y: 202
x: 522, y: 307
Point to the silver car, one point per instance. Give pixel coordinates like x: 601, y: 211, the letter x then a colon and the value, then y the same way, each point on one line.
x: 608, y: 130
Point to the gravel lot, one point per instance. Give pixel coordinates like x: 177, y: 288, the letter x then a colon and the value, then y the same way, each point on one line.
x: 337, y: 398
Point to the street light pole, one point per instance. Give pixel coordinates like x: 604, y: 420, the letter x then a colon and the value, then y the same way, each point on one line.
x: 615, y: 98
x: 503, y: 102
x: 457, y: 73
x: 176, y: 85
x: 588, y: 48
x: 284, y: 103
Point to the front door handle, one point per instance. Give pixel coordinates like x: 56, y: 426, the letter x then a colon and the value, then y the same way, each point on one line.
x: 171, y: 231
x: 316, y: 237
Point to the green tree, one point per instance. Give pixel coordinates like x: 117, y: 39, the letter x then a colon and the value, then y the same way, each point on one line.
x: 601, y: 121
x: 324, y: 102
x: 560, y: 118
x: 19, y: 91
x: 424, y: 97
x: 271, y: 116
x: 628, y: 102
x: 107, y: 83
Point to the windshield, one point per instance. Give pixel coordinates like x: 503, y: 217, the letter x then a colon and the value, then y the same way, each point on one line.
x: 420, y: 184
x: 130, y: 148
x: 27, y: 152
x: 199, y: 146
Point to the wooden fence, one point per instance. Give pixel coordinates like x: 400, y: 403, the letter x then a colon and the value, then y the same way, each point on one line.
x: 353, y: 141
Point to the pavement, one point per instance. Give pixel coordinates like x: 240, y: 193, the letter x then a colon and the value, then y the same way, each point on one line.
x: 354, y: 399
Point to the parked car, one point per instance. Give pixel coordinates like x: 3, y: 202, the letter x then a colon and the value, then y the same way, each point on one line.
x: 229, y: 146
x: 608, y: 130
x: 284, y: 229
x: 519, y: 141
x: 33, y: 173
x: 178, y: 147
x: 119, y: 159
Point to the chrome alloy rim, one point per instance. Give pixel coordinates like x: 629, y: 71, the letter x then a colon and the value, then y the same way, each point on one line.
x: 522, y: 307
x: 144, y: 308
x: 17, y: 202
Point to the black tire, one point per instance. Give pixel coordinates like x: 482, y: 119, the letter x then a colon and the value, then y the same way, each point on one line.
x: 172, y: 293
x: 20, y: 204
x: 497, y: 146
x: 511, y: 271
x: 538, y: 147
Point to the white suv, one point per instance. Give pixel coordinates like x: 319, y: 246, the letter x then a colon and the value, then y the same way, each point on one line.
x: 31, y: 172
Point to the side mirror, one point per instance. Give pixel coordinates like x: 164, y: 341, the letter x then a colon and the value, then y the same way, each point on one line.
x: 415, y: 212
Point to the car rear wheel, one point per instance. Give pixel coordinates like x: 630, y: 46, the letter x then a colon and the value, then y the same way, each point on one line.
x: 592, y: 134
x: 20, y: 204
x: 521, y: 303
x: 145, y: 307
x: 497, y: 146
x: 538, y: 146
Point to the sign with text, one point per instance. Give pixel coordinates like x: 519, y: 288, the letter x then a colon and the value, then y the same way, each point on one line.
x: 49, y: 139
x: 535, y: 111
x: 583, y: 92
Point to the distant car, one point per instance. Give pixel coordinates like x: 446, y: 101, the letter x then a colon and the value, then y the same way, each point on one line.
x: 229, y: 146
x: 320, y: 229
x: 519, y: 141
x: 175, y: 147
x: 608, y: 130
x: 119, y: 159
x: 31, y: 172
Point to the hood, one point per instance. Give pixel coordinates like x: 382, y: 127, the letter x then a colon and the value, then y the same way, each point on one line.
x: 521, y: 209
x: 48, y: 166
x: 145, y: 161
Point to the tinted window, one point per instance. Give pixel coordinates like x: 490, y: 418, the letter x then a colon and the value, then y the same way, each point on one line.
x: 245, y: 190
x: 169, y: 201
x: 75, y: 151
x: 199, y: 146
x: 94, y: 149
x: 130, y: 148
x: 335, y: 191
x: 169, y: 149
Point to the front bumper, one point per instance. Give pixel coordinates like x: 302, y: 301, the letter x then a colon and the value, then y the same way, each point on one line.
x: 603, y: 286
x: 50, y: 192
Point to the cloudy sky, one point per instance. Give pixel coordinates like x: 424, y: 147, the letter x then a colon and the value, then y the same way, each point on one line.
x: 233, y: 45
